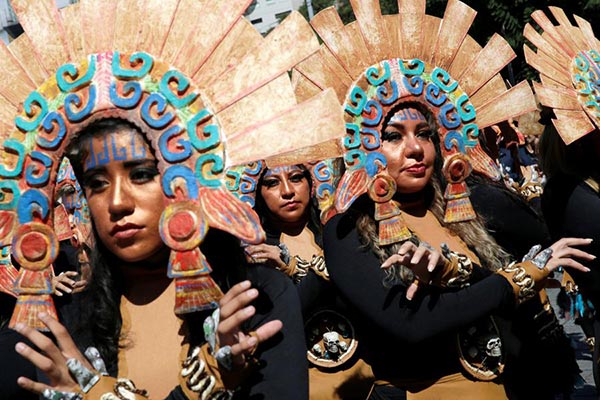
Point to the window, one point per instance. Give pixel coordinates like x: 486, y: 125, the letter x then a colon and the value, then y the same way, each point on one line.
x: 282, y: 15
x: 256, y: 21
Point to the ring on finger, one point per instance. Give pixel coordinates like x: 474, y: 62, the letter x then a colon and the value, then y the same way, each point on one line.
x: 224, y: 357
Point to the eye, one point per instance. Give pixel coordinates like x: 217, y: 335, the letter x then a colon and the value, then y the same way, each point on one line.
x: 391, y: 136
x: 95, y: 183
x: 143, y: 174
x: 296, y: 178
x: 270, y: 183
x: 425, y: 134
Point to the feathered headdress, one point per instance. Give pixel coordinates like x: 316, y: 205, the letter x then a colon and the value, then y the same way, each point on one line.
x: 198, y: 80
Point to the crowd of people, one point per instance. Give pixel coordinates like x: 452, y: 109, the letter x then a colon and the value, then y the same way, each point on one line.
x: 189, y: 213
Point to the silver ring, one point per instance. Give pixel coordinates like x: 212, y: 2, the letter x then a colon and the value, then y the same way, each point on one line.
x: 224, y: 357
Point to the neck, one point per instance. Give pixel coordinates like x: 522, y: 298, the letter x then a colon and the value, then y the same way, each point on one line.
x: 411, y: 200
x: 145, y: 281
x: 289, y: 228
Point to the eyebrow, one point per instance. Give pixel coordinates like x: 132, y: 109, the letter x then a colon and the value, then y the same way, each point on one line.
x: 127, y: 164
x: 400, y: 124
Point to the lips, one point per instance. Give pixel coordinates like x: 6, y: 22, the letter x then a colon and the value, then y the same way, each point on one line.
x: 291, y: 205
x: 417, y: 169
x: 125, y: 231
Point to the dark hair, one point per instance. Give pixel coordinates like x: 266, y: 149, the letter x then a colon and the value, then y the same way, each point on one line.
x: 101, y: 308
x: 472, y: 232
x: 273, y: 234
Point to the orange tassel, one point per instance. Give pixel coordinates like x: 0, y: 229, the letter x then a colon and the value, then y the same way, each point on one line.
x: 196, y: 293
x: 194, y: 288
x: 27, y: 309
x: 392, y: 228
x: 458, y: 206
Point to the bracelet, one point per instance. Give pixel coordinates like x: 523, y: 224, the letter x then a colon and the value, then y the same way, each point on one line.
x: 93, y: 385
x: 464, y: 267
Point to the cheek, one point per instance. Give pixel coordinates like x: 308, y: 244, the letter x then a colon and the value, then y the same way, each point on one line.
x: 429, y: 153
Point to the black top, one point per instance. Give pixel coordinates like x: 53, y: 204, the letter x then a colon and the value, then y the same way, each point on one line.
x: 515, y: 226
x: 572, y: 209
x: 408, y: 339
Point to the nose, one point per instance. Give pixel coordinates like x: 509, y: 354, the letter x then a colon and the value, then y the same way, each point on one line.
x: 120, y: 201
x: 413, y: 148
x: 287, y: 189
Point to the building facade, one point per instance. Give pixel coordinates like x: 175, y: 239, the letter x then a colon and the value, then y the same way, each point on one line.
x: 9, y: 25
x: 266, y: 14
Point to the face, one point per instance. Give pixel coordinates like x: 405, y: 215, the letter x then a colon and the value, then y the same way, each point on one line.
x: 286, y: 193
x: 122, y: 186
x: 410, y: 152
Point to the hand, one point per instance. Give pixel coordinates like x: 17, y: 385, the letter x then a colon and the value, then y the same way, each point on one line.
x: 563, y: 254
x: 265, y: 253
x: 63, y: 283
x: 51, y: 360
x: 235, y: 310
x: 422, y: 260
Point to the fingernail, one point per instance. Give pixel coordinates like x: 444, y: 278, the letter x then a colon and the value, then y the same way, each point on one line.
x: 246, y: 284
x: 252, y: 341
x: 20, y: 347
x: 587, y: 269
x: 430, y: 268
x: 19, y: 327
x: 249, y: 310
x: 252, y: 293
x: 42, y: 315
x: 413, y: 260
x: 384, y: 266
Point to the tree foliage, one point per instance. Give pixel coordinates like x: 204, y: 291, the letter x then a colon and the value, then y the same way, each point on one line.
x: 505, y: 17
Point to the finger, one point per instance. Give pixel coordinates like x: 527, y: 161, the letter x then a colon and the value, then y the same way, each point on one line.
x: 263, y: 333
x: 234, y: 291
x: 62, y: 287
x: 237, y: 303
x: 407, y: 247
x: 32, y: 386
x: 41, y: 362
x: 70, y: 273
x: 394, y: 259
x: 80, y: 284
x: 571, y: 242
x: 416, y: 258
x: 434, y: 260
x: 66, y: 281
x: 572, y: 252
x: 412, y: 290
x: 568, y: 262
x: 41, y: 342
x: 63, y: 338
x: 233, y: 323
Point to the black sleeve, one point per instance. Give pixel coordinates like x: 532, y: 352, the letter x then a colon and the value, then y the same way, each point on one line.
x: 511, y: 222
x: 582, y: 219
x: 283, y: 368
x: 356, y: 273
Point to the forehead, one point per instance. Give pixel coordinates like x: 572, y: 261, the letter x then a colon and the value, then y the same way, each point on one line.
x: 119, y: 144
x: 407, y: 114
x: 285, y: 170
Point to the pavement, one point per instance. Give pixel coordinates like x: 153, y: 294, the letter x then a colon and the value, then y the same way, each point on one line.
x: 587, y: 390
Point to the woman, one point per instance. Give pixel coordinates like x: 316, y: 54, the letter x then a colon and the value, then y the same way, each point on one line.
x: 290, y: 217
x: 131, y: 296
x: 569, y: 145
x: 424, y: 329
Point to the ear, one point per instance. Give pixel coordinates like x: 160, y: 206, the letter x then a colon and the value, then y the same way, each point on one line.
x: 226, y: 212
x: 352, y: 185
